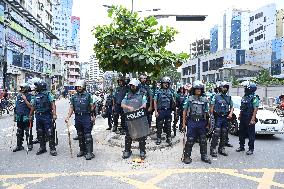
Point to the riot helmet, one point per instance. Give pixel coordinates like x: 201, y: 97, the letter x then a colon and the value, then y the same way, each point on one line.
x: 143, y: 78
x: 196, y: 86
x: 127, y: 79
x: 80, y: 86
x: 121, y: 81
x: 134, y: 85
x: 24, y: 88
x: 40, y: 86
x: 217, y: 88
x: 165, y: 83
x: 224, y: 87
x: 281, y: 96
x: 249, y: 87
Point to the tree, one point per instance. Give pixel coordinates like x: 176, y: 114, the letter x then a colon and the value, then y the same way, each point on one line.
x: 131, y: 44
x: 169, y: 71
x: 264, y: 78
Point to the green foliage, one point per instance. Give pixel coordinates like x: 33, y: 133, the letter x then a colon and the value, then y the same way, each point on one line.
x: 235, y: 82
x: 264, y: 78
x: 131, y: 44
x: 169, y: 71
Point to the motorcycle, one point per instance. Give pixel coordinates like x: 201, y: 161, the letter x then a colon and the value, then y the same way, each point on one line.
x: 6, y: 105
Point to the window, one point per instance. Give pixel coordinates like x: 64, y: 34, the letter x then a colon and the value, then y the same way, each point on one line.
x: 264, y: 19
x: 251, y: 41
x: 251, y: 18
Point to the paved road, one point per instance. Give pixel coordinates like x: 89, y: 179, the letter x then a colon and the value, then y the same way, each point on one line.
x: 162, y: 168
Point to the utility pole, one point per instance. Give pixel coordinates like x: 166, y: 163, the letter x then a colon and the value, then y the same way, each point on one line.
x: 7, y: 20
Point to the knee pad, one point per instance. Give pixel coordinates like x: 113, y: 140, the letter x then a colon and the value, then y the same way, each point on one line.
x: 190, y: 140
x: 88, y: 137
x: 203, y: 139
x: 217, y: 132
x: 49, y: 132
x: 19, y: 132
x: 80, y: 134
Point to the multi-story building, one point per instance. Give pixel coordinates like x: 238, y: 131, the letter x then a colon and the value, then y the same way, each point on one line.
x: 70, y: 66
x: 62, y: 23
x: 95, y: 73
x: 231, y: 32
x: 26, y: 40
x: 75, y: 33
x: 199, y: 47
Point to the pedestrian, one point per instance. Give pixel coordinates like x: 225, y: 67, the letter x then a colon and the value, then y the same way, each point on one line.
x: 222, y: 110
x: 145, y: 89
x: 135, y: 100
x: 119, y: 94
x: 164, y: 101
x: 195, y: 121
x: 81, y: 104
x: 43, y: 104
x: 247, y: 117
x: 22, y: 111
x: 107, y: 107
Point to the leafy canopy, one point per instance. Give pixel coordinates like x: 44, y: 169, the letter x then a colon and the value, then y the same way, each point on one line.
x: 131, y: 44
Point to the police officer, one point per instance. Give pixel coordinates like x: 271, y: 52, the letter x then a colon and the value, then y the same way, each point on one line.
x: 196, y: 119
x: 180, y: 99
x: 133, y: 100
x: 81, y: 104
x: 107, y: 108
x: 222, y: 109
x: 164, y: 101
x: 145, y: 89
x: 247, y: 117
x: 45, y: 112
x: 119, y: 94
x: 23, y: 109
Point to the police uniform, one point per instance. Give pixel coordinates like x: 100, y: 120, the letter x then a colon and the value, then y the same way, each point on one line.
x: 23, y: 122
x: 82, y: 103
x: 165, y: 100
x: 135, y: 100
x: 222, y: 104
x: 42, y: 103
x: 180, y: 99
x: 108, y: 108
x: 248, y: 104
x: 145, y: 89
x: 119, y: 94
x: 196, y: 108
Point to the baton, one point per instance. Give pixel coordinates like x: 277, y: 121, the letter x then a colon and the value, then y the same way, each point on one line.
x: 69, y: 139
x: 183, y: 144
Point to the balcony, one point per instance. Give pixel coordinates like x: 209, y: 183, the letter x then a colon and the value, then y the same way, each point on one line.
x: 74, y: 66
x: 71, y: 59
x: 74, y: 73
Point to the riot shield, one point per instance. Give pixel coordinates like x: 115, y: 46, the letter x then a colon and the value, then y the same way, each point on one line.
x: 137, y: 123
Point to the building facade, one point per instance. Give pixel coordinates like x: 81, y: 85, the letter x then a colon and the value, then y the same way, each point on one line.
x: 75, y: 33
x: 95, y: 73
x: 62, y: 23
x: 25, y: 41
x: 200, y: 47
x: 70, y: 66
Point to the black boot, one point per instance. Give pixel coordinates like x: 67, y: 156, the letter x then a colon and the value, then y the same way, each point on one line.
x: 240, y: 149
x: 89, y: 147
x: 223, y: 140
x: 142, y: 147
x: 20, y: 135
x: 127, y: 151
x: 203, y: 149
x: 187, y: 151
x: 30, y: 145
x: 76, y: 138
x: 41, y: 138
x: 158, y: 142
x: 115, y: 122
x: 214, y: 142
x: 249, y: 152
x: 81, y: 144
x: 51, y: 140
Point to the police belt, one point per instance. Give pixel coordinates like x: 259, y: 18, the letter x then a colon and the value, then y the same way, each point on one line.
x: 82, y: 114
x: 221, y: 114
x: 164, y: 109
x: 196, y: 118
x: 43, y: 113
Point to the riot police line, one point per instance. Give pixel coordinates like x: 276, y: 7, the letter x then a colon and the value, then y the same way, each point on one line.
x: 134, y: 102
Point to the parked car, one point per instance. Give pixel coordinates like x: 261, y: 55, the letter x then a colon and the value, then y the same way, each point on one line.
x: 269, y: 123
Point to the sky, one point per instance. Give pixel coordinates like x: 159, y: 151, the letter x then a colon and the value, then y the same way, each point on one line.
x: 92, y: 13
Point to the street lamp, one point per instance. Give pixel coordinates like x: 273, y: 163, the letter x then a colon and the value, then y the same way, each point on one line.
x: 7, y: 22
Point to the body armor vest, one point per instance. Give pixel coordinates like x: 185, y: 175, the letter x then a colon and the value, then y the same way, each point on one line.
x: 82, y: 103
x: 222, y: 104
x: 165, y: 98
x: 247, y: 104
x: 42, y: 103
x: 197, y: 107
x: 21, y: 106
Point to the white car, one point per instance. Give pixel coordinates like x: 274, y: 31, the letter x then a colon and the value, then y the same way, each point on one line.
x: 268, y: 123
